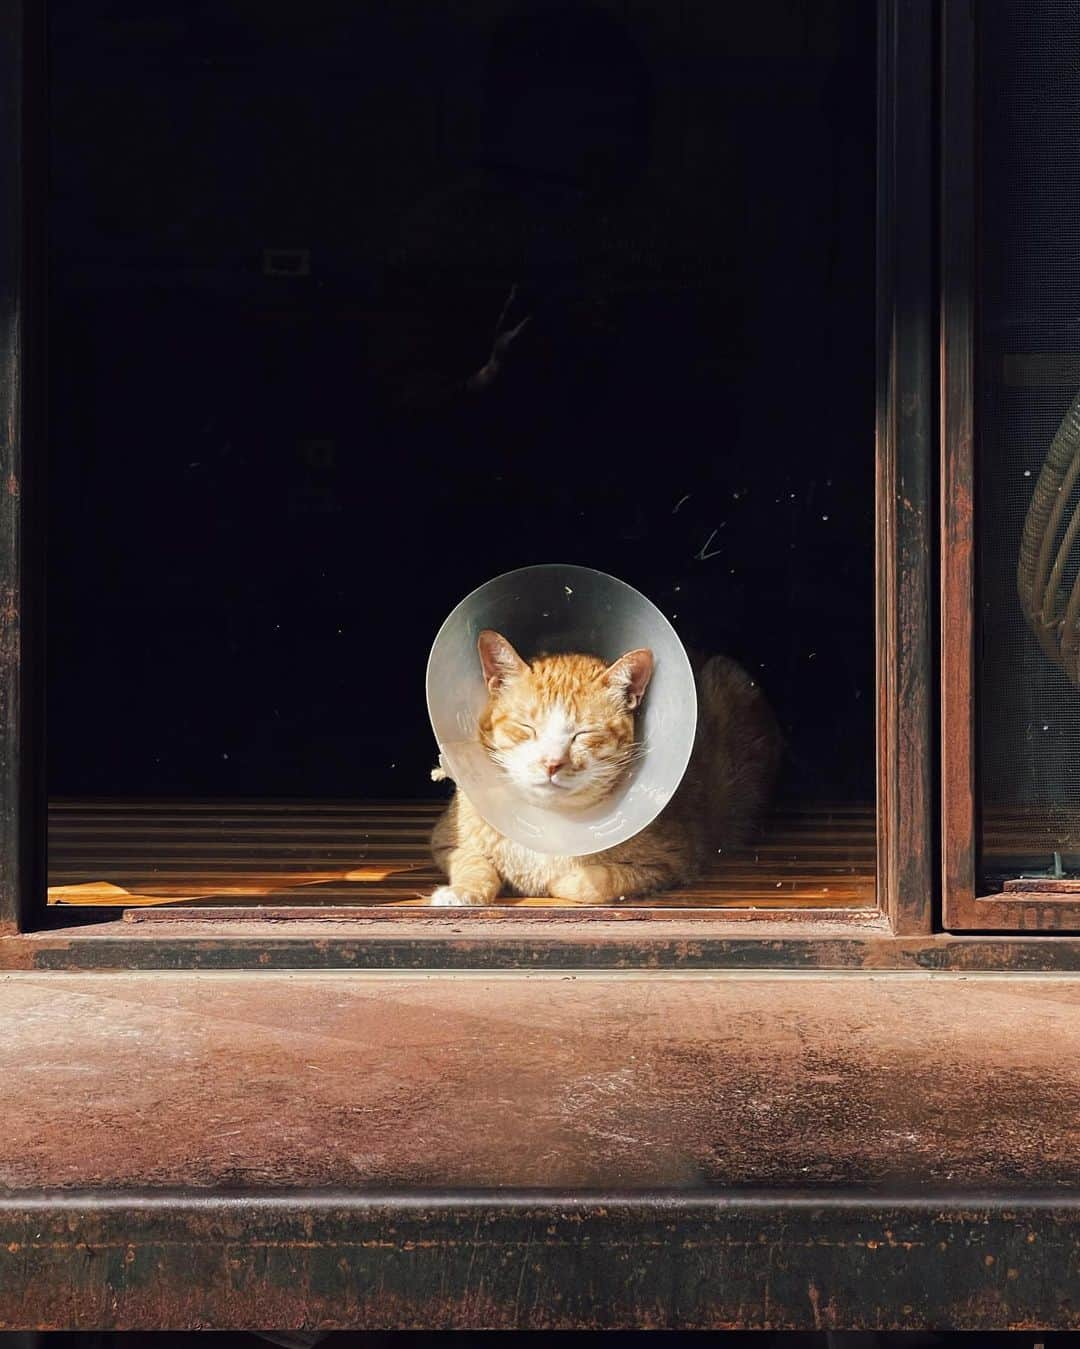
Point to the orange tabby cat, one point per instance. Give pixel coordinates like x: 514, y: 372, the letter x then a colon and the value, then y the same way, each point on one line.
x: 562, y: 729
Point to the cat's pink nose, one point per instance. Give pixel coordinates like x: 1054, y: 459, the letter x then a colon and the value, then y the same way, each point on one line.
x: 552, y: 765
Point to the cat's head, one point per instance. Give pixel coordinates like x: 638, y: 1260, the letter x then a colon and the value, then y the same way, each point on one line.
x: 561, y: 727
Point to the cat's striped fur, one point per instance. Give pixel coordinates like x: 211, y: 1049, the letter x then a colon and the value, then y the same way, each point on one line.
x: 566, y: 724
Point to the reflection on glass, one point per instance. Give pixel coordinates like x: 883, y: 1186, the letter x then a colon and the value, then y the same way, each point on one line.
x: 1028, y: 449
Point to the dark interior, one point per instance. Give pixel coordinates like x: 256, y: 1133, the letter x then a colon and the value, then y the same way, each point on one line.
x: 281, y: 239
x: 267, y: 486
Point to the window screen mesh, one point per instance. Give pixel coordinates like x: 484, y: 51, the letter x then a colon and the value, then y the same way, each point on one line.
x: 1028, y: 374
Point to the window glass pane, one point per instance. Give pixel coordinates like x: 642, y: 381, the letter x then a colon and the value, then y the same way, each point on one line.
x: 285, y: 244
x: 1028, y: 502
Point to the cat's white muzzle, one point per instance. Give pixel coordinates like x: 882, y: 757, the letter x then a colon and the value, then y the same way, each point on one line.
x: 551, y: 789
x: 565, y: 791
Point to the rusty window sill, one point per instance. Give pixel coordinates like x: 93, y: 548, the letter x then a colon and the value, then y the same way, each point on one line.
x: 442, y: 941
x: 539, y: 1151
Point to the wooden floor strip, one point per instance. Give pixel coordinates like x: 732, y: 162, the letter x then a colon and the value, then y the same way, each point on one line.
x: 364, y: 853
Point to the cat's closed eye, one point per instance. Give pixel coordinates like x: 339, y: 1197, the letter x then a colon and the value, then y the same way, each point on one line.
x: 587, y: 730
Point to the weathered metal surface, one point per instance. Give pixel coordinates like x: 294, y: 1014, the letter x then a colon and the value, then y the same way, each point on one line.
x: 531, y: 1262
x: 594, y: 1080
x: 1044, y: 885
x: 905, y: 455
x: 10, y: 272
x: 957, y: 138
x: 208, y: 915
x: 519, y: 943
x: 539, y: 1150
x: 16, y: 880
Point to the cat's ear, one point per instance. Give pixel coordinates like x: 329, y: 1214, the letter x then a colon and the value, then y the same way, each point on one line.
x: 498, y: 659
x: 630, y: 675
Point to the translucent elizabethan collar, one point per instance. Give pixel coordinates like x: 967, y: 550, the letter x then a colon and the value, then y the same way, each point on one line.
x: 557, y: 608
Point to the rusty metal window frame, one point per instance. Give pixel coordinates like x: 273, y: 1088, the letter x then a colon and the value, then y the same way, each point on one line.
x: 906, y: 525
x: 22, y: 446
x: 1033, y: 907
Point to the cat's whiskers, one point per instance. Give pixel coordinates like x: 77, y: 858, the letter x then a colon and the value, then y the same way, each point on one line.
x: 625, y: 760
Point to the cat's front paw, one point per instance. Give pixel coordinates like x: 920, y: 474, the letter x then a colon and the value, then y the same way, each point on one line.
x: 445, y: 897
x: 586, y: 885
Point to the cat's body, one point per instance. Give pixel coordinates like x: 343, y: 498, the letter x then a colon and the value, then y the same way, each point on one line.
x: 725, y: 789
